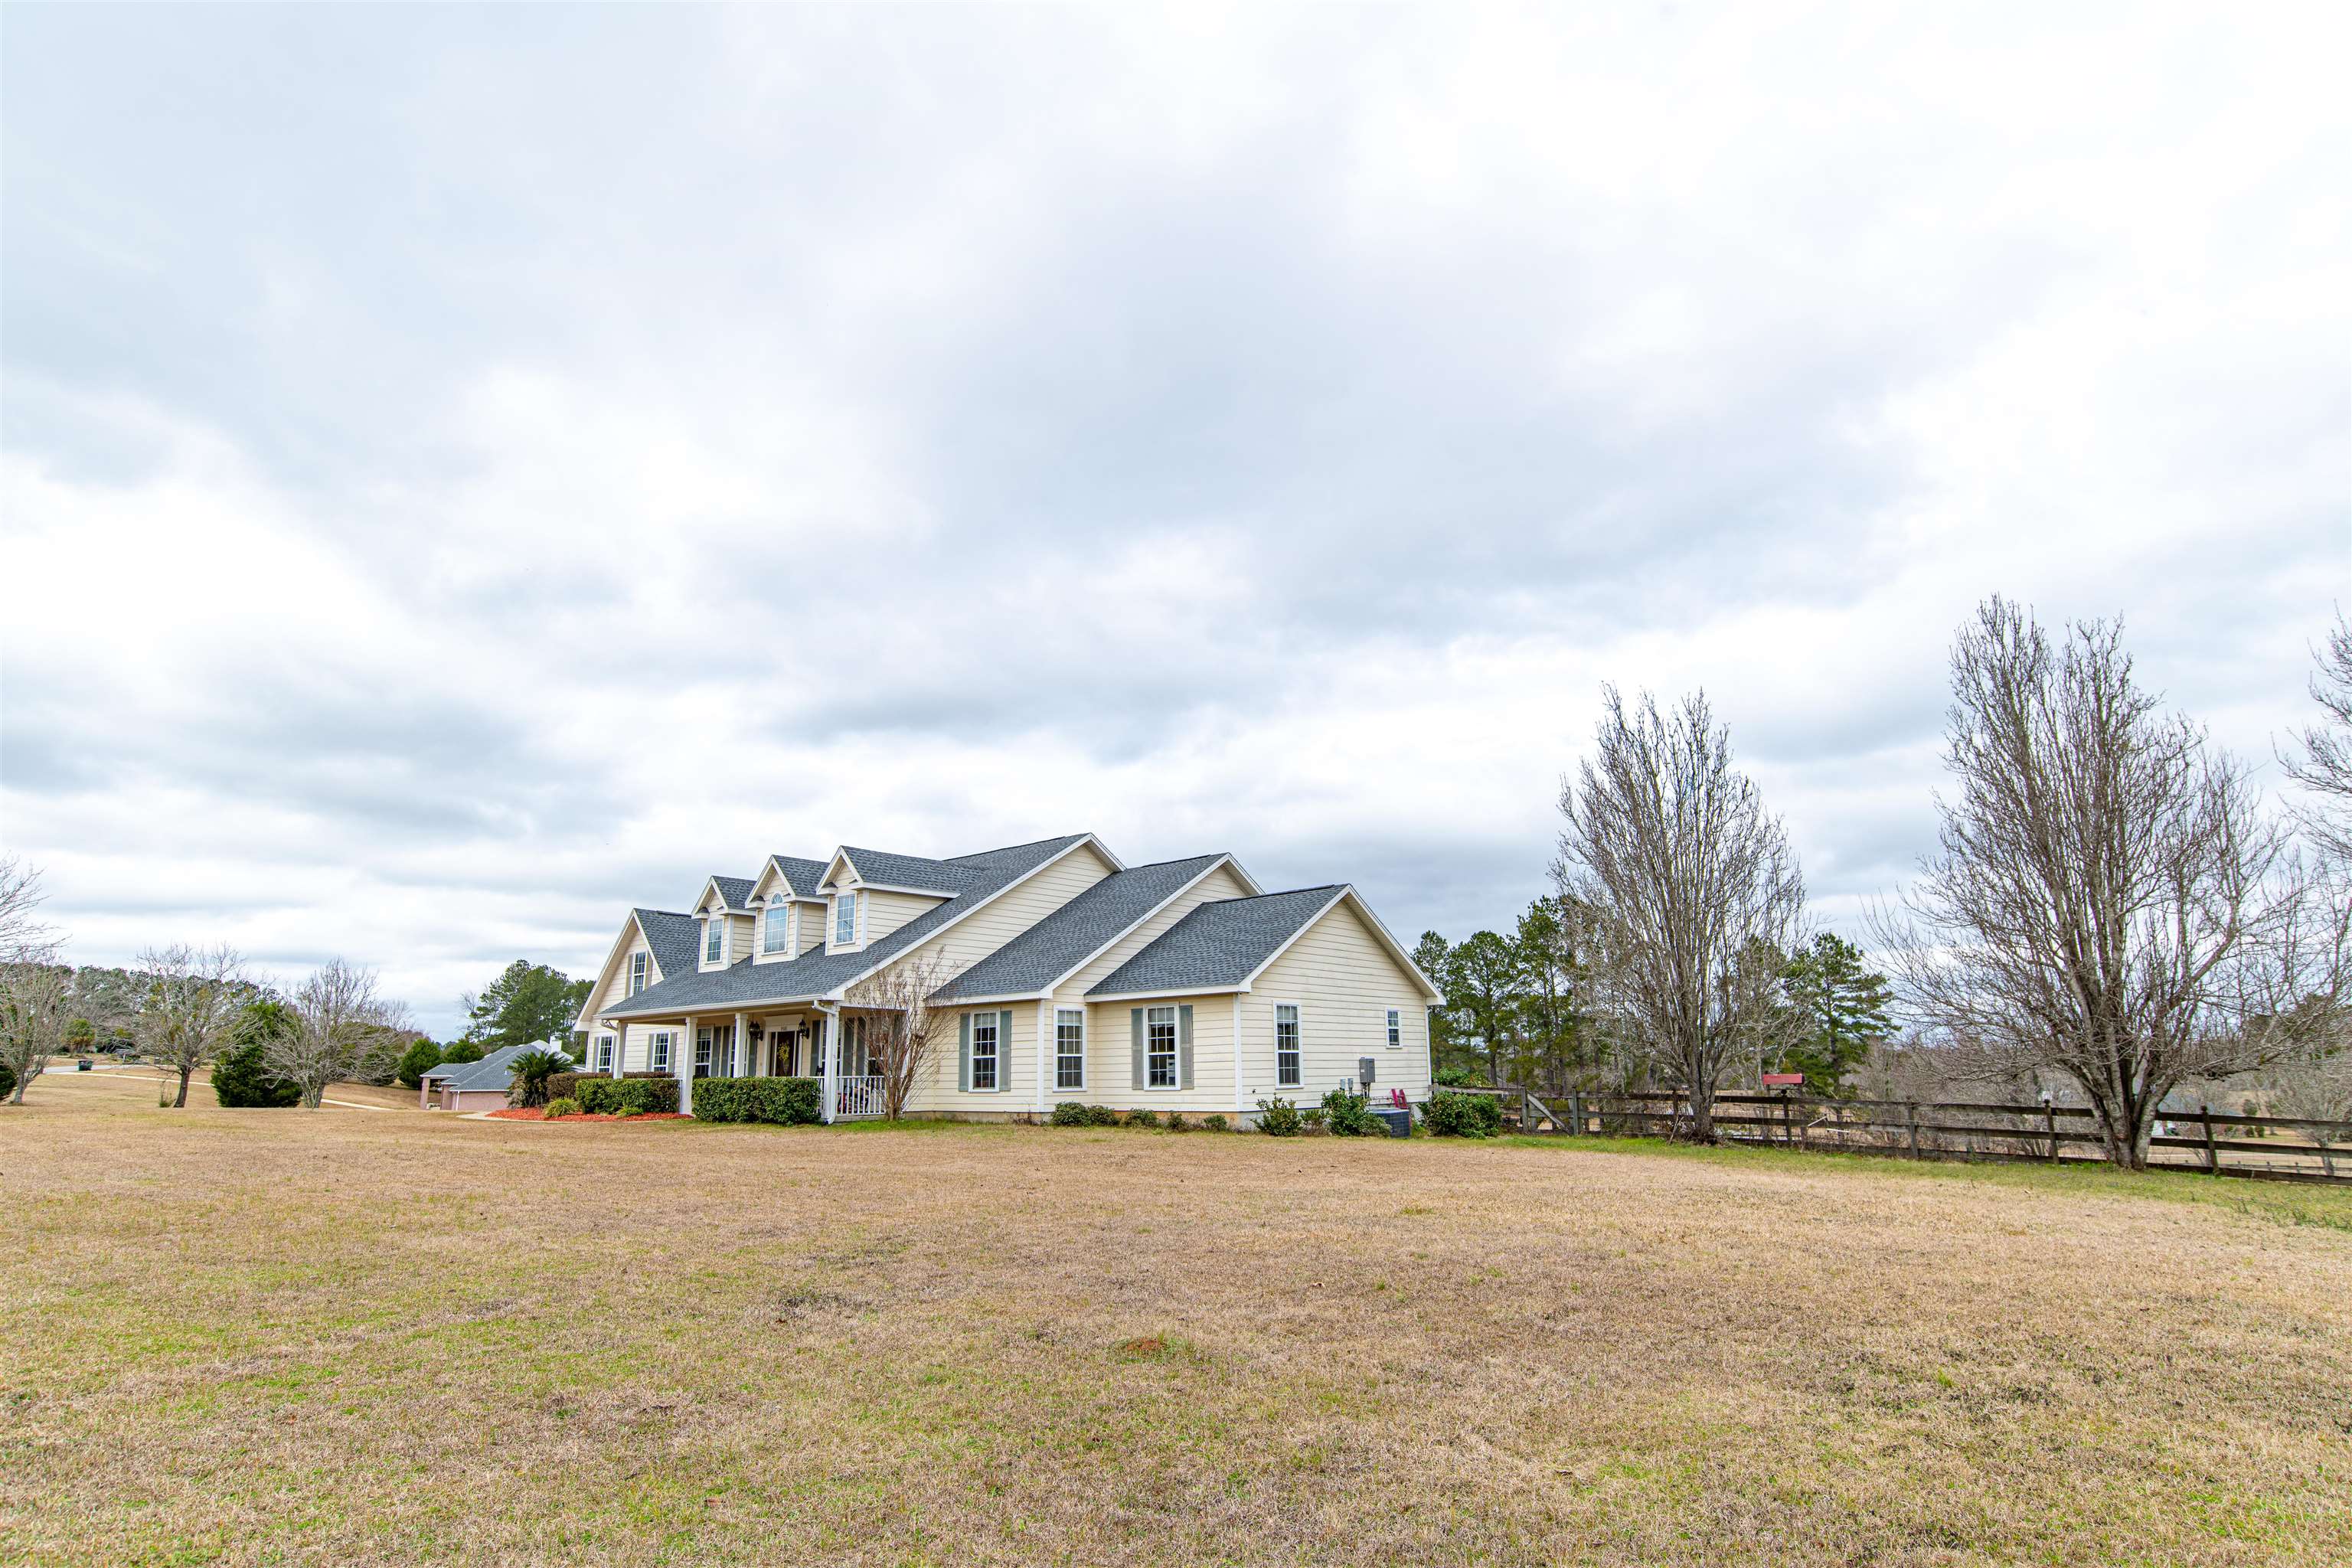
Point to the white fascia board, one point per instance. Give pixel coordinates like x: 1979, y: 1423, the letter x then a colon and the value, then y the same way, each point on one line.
x: 1179, y: 991
x: 1380, y: 933
x: 1309, y: 923
x: 1117, y: 937
x: 612, y: 956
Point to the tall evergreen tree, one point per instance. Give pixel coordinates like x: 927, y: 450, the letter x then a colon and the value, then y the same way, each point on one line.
x: 525, y: 1005
x: 1847, y: 1004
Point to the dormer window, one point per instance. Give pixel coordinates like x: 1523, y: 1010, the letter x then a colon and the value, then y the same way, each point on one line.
x: 637, y: 972
x: 844, y: 919
x: 776, y: 934
x: 714, y: 939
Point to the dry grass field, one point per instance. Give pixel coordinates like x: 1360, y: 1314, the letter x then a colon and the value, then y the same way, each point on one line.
x: 347, y: 1336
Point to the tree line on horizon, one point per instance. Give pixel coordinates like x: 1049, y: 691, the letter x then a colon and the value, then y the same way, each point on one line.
x: 184, y: 1008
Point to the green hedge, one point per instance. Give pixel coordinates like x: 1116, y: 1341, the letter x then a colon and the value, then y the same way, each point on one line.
x: 793, y: 1101
x: 1449, y: 1115
x: 604, y: 1096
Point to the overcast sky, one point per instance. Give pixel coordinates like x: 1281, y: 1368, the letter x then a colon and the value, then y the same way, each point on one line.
x: 470, y: 470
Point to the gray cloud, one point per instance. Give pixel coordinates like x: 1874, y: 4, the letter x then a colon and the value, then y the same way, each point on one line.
x: 479, y: 471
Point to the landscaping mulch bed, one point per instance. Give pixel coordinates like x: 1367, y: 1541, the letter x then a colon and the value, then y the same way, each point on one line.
x: 533, y: 1113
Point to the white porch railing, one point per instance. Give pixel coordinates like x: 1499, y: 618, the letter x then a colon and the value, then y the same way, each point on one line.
x: 860, y: 1096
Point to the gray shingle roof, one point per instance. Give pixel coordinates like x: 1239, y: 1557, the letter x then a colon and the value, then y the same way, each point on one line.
x: 915, y: 871
x: 672, y: 937
x: 736, y: 891
x: 817, y: 974
x: 803, y: 875
x: 1073, y: 933
x: 493, y: 1071
x: 1219, y: 943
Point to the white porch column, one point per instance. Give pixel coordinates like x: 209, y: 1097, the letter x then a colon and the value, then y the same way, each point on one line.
x: 681, y: 1061
x: 829, y: 1026
x: 620, y: 1046
x: 743, y: 1063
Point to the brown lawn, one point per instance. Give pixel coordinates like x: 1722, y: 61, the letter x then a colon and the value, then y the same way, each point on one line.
x: 281, y: 1336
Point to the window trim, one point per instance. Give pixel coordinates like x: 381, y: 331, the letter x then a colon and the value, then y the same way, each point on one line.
x: 714, y: 935
x: 850, y: 902
x: 640, y: 970
x: 994, y: 1025
x: 660, y: 1050
x: 1297, y: 1045
x: 1396, y: 1028
x: 1060, y: 1056
x: 703, y: 1057
x: 771, y: 944
x: 1175, y: 1052
x: 602, y: 1053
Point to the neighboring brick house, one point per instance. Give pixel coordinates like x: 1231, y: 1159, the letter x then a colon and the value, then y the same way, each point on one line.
x: 1181, y: 986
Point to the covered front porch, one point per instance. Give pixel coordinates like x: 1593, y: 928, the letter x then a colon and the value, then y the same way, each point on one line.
x: 825, y: 1043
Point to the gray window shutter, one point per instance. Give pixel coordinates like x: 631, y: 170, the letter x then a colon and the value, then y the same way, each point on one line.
x: 1135, y: 1022
x: 1184, y: 1046
x: 963, y: 1077
x: 1004, y: 1053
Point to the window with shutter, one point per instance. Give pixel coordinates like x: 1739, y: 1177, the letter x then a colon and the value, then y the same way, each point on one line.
x: 1160, y: 1048
x: 985, y: 1028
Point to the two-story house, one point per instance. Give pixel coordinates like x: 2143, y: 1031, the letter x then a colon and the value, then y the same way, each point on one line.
x: 1181, y: 986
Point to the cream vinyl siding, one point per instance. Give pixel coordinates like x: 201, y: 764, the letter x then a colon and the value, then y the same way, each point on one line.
x: 613, y: 984
x: 1220, y: 883
x: 637, y: 1043
x: 886, y: 912
x: 977, y: 935
x: 738, y: 937
x: 938, y: 1092
x: 1111, y: 1057
x: 1344, y: 983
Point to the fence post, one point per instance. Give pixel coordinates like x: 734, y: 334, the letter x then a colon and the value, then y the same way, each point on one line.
x: 1911, y: 1116
x: 2050, y: 1115
x: 2212, y: 1155
x: 1527, y: 1112
x: 1576, y: 1111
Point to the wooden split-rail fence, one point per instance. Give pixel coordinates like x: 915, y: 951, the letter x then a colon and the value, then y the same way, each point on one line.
x: 2276, y: 1148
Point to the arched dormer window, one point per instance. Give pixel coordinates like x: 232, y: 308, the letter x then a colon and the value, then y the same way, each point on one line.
x: 776, y: 926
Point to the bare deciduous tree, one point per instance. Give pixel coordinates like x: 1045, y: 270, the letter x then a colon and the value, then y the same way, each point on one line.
x: 342, y: 1030
x: 25, y: 938
x: 1691, y: 893
x: 188, y: 1006
x: 2109, y: 901
x: 2325, y: 765
x: 903, y: 1027
x: 35, y: 989
x: 36, y: 1005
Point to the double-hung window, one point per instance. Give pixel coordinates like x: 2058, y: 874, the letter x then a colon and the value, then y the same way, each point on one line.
x: 702, y: 1053
x: 714, y: 938
x: 1396, y: 1029
x: 986, y: 1052
x: 844, y: 919
x: 1069, y: 1048
x: 603, y: 1053
x: 776, y: 928
x: 637, y: 972
x: 1160, y: 1048
x: 660, y: 1048
x: 1285, y: 1046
